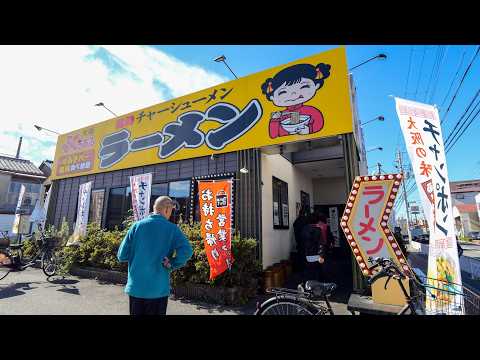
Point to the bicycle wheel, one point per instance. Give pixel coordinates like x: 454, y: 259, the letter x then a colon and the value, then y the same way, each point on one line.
x: 49, y: 263
x: 4, y: 271
x: 285, y: 306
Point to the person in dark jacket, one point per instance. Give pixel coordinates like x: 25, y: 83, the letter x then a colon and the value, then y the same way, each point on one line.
x: 298, y: 226
x: 314, y: 249
x: 327, y: 238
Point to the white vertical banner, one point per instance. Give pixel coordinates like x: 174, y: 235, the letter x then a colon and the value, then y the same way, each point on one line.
x: 83, y: 208
x: 47, y: 202
x: 38, y: 215
x: 420, y: 124
x: 141, y: 186
x: 16, y: 221
x: 477, y: 204
x: 333, y: 217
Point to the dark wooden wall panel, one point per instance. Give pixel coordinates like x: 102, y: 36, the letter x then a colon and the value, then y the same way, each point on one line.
x: 64, y: 203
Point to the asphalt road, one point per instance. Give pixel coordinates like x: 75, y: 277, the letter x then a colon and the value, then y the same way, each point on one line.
x: 471, y: 250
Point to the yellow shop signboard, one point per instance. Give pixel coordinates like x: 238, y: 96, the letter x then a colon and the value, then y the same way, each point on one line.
x: 302, y: 100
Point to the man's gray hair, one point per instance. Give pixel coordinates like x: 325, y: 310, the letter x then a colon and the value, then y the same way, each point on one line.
x: 161, y: 203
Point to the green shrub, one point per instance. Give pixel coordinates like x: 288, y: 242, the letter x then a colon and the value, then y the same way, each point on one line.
x: 99, y: 249
x: 245, y: 272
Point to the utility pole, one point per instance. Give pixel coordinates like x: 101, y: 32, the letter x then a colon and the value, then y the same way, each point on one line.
x: 400, y: 167
x: 19, y: 147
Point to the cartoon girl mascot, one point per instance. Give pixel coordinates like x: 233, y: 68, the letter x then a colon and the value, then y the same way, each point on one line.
x: 291, y: 88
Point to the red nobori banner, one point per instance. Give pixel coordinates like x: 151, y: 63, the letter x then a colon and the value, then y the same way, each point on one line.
x: 215, y: 200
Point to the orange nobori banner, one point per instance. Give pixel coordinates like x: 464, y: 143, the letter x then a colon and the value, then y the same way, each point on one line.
x: 215, y: 200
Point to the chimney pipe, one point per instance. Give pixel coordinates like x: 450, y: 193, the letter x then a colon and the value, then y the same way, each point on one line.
x: 19, y: 146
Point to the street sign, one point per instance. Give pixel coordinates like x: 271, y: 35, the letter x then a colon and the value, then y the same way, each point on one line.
x: 365, y: 221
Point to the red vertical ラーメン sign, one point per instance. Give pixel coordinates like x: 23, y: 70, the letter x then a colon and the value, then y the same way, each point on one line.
x: 215, y: 199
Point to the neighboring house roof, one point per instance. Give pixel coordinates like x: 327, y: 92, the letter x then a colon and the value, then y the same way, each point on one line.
x: 465, y: 186
x: 19, y: 166
x: 464, y: 208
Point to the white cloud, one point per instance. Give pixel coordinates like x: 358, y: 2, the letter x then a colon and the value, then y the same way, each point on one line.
x: 56, y: 87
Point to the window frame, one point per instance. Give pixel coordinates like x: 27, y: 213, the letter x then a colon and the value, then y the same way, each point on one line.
x: 280, y: 196
x: 90, y: 210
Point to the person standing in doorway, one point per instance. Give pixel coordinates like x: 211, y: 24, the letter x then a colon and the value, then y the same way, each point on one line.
x: 314, y: 249
x: 326, y: 239
x: 148, y: 248
x: 298, y: 226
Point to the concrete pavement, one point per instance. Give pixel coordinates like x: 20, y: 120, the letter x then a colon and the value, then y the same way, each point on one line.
x: 29, y: 293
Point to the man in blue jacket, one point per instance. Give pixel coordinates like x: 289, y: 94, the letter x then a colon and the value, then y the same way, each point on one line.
x: 148, y: 248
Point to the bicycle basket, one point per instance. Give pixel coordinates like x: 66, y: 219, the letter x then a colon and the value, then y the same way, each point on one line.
x: 52, y: 242
x: 4, y: 243
x: 439, y: 297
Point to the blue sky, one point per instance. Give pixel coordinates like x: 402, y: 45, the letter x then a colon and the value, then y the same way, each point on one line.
x: 375, y: 81
x: 57, y: 86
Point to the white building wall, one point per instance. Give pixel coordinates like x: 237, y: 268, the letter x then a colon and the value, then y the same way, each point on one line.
x: 278, y: 243
x: 4, y: 186
x: 6, y: 222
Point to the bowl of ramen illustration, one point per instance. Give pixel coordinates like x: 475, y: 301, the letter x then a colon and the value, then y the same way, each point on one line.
x: 296, y: 124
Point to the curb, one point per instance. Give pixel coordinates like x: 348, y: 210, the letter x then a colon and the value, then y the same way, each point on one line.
x: 115, y: 277
x: 219, y: 296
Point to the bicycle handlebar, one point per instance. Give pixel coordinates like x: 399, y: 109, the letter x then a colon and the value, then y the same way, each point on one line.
x: 389, y: 269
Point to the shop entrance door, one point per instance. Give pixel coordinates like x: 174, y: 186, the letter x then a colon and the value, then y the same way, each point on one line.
x: 338, y: 265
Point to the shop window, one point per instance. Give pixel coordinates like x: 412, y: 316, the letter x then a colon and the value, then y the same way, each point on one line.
x: 96, y: 206
x: 280, y: 204
x: 120, y: 201
x: 157, y: 190
x: 179, y: 191
x: 31, y: 195
x: 119, y: 204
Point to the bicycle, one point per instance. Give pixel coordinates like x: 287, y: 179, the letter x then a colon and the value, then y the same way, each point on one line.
x: 306, y: 300
x: 444, y: 297
x: 12, y: 259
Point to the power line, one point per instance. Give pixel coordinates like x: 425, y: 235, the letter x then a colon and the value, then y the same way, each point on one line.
x: 409, y: 185
x: 465, y: 129
x: 454, y: 78
x: 434, y: 67
x: 399, y: 132
x: 460, y: 85
x: 437, y: 78
x: 409, y: 68
x: 420, y: 75
x: 409, y: 192
x: 451, y: 134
